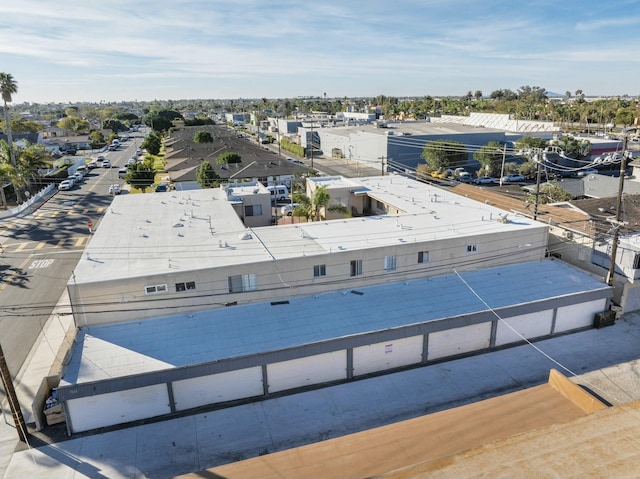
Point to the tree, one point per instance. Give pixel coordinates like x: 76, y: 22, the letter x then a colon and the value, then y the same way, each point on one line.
x: 550, y: 193
x: 573, y: 147
x: 206, y: 176
x: 161, y: 120
x: 152, y: 143
x: 442, y: 154
x: 203, y: 137
x: 228, y: 157
x: 141, y: 175
x: 114, y: 125
x: 18, y: 126
x: 8, y: 86
x: 97, y: 137
x: 74, y: 124
x: 490, y: 158
x: 311, y: 207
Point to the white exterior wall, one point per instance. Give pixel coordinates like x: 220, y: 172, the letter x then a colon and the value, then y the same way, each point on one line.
x: 387, y: 355
x: 578, y: 315
x: 195, y: 392
x: 459, y: 340
x: 117, y: 408
x: 361, y: 146
x: 301, y: 372
x: 527, y: 325
x: 128, y: 294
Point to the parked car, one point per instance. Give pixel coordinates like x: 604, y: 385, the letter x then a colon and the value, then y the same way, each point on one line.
x: 588, y: 171
x: 114, y: 189
x: 78, y: 177
x: 287, y: 210
x: 464, y: 177
x: 92, y: 164
x: 484, y: 180
x: 72, y: 179
x: 161, y: 188
x: 65, y: 185
x: 106, y: 164
x: 512, y: 178
x: 122, y: 172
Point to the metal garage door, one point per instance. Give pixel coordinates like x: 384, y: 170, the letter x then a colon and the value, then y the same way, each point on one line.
x: 387, y: 355
x: 195, y: 392
x: 117, y: 408
x: 578, y: 315
x: 530, y: 326
x: 459, y: 340
x: 317, y: 369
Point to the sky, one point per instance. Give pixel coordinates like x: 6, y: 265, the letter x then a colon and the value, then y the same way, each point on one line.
x: 67, y: 51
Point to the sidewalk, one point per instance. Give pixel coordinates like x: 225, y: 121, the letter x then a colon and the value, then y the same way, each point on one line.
x: 167, y: 448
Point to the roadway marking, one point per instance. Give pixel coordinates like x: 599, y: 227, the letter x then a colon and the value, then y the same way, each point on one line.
x: 41, y: 263
x: 81, y: 241
x: 41, y: 245
x: 21, y: 247
x: 60, y: 243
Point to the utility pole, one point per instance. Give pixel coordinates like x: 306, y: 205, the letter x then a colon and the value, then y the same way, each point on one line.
x: 382, y: 158
x: 312, y: 143
x: 16, y: 412
x: 504, y: 156
x: 618, y: 224
x: 538, y: 178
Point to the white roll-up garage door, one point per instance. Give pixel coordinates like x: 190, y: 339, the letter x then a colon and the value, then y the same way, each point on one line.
x: 528, y: 326
x: 109, y: 409
x: 459, y: 340
x: 195, y: 392
x: 578, y: 315
x: 317, y: 369
x: 387, y: 355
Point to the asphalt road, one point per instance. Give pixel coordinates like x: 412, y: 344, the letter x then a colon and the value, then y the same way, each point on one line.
x: 40, y: 251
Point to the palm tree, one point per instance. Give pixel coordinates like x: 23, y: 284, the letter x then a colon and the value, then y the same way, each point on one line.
x: 8, y: 86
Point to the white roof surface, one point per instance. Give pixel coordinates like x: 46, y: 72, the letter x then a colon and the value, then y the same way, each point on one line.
x: 137, y: 347
x: 155, y: 233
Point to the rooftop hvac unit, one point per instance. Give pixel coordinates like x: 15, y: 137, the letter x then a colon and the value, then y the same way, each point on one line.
x: 605, y: 318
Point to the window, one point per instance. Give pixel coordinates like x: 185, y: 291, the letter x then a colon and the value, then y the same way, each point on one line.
x: 356, y: 267
x: 253, y: 210
x: 242, y: 283
x: 636, y: 261
x: 423, y: 256
x: 185, y: 286
x: 472, y: 248
x: 389, y: 263
x: 155, y: 289
x: 319, y: 270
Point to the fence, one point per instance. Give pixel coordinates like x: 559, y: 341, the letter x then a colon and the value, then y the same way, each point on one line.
x: 36, y: 199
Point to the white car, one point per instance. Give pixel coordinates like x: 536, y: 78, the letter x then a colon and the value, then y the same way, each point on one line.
x: 287, y: 210
x: 484, y: 180
x: 65, y: 185
x: 106, y: 164
x: 114, y: 189
x: 514, y: 177
x: 587, y: 172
